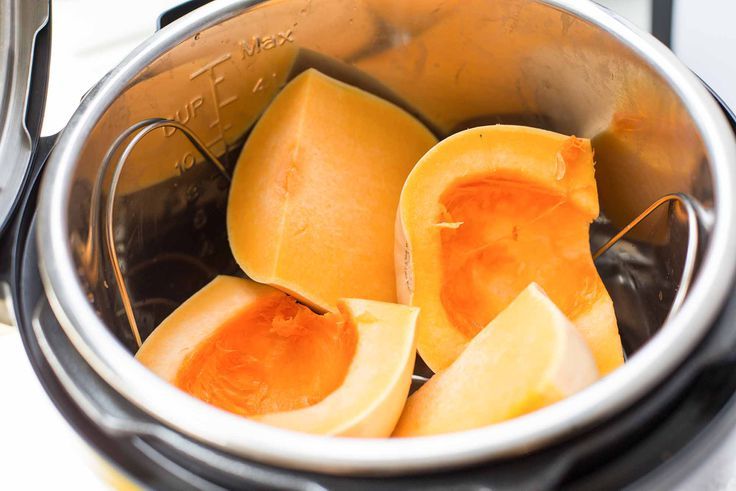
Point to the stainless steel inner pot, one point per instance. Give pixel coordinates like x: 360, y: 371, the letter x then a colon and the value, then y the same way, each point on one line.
x: 564, y: 65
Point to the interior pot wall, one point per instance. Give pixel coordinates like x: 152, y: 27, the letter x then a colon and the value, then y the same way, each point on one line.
x: 454, y: 63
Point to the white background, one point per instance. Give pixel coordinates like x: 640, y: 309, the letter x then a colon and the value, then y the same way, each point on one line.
x: 37, y: 448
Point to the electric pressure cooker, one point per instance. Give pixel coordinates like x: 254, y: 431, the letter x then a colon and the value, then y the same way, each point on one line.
x: 109, y: 226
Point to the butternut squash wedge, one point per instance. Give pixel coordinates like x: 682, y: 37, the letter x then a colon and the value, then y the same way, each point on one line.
x: 528, y: 357
x: 483, y: 214
x: 252, y: 350
x: 315, y: 190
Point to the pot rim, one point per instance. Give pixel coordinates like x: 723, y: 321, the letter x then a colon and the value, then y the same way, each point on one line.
x: 237, y: 435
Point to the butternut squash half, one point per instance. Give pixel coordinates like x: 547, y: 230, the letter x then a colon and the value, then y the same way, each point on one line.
x: 488, y: 211
x: 252, y: 350
x: 314, y: 194
x: 528, y: 357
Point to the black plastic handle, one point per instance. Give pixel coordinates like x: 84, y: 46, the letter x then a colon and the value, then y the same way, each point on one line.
x: 662, y: 13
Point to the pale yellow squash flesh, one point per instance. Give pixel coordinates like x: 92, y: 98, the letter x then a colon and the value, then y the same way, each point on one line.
x: 315, y: 190
x: 528, y: 357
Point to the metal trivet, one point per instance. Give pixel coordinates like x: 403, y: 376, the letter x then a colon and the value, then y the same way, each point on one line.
x: 139, y: 131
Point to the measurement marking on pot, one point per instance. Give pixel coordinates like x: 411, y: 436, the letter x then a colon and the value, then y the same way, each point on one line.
x: 262, y: 83
x: 256, y: 44
x: 215, y: 80
x: 225, y: 126
x: 186, y: 113
x: 211, y: 143
x: 185, y: 163
x: 228, y: 101
x: 209, y: 66
x: 192, y: 193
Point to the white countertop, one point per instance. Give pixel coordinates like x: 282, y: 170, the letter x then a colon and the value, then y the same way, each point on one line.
x: 38, y: 449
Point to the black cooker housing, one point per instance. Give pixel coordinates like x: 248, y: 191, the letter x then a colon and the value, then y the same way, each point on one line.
x: 655, y: 443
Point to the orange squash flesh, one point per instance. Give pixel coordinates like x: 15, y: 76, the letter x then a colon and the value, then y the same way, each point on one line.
x: 528, y: 357
x: 495, y: 253
x: 315, y: 190
x: 252, y: 350
x: 483, y: 214
x: 275, y: 355
x: 370, y: 400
